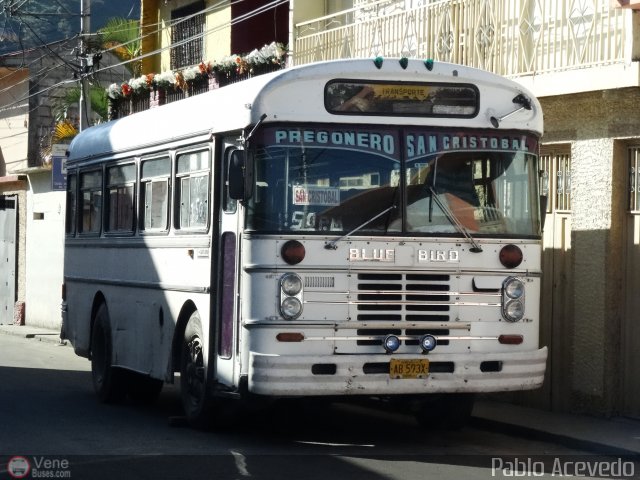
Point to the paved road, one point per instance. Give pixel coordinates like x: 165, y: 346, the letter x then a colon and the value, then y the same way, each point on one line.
x: 48, y: 413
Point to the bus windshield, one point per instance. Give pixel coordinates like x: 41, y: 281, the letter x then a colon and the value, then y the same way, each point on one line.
x: 319, y: 180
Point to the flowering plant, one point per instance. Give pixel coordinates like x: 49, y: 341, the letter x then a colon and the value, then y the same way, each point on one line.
x: 165, y: 79
x: 126, y: 90
x: 140, y: 84
x: 114, y: 91
x: 253, y: 63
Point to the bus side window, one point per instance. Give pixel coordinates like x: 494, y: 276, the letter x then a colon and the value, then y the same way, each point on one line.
x: 154, y: 184
x: 72, y: 198
x: 193, y: 189
x: 121, y: 187
x: 91, y: 202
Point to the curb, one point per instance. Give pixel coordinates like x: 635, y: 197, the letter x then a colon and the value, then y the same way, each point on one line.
x: 42, y: 335
x: 542, y: 435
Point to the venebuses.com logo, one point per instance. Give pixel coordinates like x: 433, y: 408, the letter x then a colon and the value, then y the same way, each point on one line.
x: 19, y: 466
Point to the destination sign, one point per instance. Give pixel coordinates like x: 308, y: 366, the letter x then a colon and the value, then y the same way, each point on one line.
x: 417, y: 143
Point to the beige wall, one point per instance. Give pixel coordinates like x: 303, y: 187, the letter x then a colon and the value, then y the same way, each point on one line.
x: 217, y: 30
x: 44, y: 251
x: 14, y: 120
x: 598, y: 126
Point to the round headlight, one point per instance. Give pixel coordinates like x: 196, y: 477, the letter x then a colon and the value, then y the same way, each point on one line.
x: 514, y: 288
x: 291, y: 284
x: 514, y: 311
x: 391, y: 343
x: 290, y: 308
x: 428, y: 343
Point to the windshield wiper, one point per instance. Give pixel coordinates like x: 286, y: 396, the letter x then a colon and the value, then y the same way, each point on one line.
x: 332, y: 245
x: 475, y: 247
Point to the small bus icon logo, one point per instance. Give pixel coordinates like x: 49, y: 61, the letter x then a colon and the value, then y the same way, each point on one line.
x: 18, y: 467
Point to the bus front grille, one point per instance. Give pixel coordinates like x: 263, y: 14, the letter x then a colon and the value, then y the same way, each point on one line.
x: 423, y: 299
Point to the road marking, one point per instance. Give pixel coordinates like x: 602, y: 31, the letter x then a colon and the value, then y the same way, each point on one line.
x: 241, y: 463
x: 327, y: 444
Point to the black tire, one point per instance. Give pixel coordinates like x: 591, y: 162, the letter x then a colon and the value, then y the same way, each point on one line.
x: 109, y: 382
x: 142, y: 389
x: 196, y: 400
x: 449, y: 411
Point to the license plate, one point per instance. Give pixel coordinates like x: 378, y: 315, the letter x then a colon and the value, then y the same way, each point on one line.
x: 418, y: 368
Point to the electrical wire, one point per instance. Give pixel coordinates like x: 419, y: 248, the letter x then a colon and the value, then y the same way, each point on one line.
x: 235, y: 21
x: 15, y: 70
x: 239, y: 19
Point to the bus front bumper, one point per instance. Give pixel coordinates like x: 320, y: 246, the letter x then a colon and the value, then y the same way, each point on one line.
x: 319, y: 375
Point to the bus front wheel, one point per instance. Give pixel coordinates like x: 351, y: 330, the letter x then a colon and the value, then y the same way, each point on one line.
x: 109, y: 382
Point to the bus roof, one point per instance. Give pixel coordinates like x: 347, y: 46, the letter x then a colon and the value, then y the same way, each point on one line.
x: 297, y: 95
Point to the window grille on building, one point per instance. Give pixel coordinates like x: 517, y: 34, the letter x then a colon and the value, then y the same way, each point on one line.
x: 634, y: 178
x: 555, y: 177
x: 187, y: 35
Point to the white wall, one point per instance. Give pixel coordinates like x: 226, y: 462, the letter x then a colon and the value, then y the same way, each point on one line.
x: 44, y: 251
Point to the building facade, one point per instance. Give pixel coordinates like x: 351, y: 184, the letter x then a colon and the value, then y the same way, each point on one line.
x: 32, y: 84
x: 581, y: 59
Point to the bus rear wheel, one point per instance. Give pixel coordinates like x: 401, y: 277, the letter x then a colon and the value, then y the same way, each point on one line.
x: 194, y: 393
x: 109, y: 382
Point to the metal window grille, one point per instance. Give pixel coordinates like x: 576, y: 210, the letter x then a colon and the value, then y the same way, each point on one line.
x: 187, y: 36
x: 555, y: 177
x: 634, y: 178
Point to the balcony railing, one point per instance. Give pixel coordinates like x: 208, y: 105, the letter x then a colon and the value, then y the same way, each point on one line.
x: 508, y: 37
x: 138, y: 102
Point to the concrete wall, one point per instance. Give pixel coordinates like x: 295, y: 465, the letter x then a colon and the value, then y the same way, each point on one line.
x: 598, y: 126
x: 14, y: 121
x: 217, y: 42
x: 45, y: 251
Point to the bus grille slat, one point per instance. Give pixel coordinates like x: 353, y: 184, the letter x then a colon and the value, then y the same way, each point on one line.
x: 397, y: 297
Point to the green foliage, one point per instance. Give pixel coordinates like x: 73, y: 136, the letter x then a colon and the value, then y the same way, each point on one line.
x: 122, y: 35
x: 72, y: 97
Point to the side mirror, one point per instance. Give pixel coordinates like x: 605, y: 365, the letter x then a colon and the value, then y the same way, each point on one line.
x: 236, y: 175
x: 240, y: 175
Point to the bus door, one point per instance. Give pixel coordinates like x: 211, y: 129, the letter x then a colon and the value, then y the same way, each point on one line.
x: 227, y: 274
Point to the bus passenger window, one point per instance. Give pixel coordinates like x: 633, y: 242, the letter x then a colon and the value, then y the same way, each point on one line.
x: 193, y: 184
x: 91, y: 201
x: 121, y: 181
x: 72, y: 198
x: 154, y: 183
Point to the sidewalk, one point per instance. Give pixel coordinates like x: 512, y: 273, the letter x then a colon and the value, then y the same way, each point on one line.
x: 614, y: 436
x: 25, y: 331
x: 607, y: 436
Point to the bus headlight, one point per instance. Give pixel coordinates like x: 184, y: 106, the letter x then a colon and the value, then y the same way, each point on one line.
x: 291, y: 289
x: 290, y: 308
x: 391, y: 343
x: 291, y: 284
x: 513, y: 299
x: 428, y: 343
x: 513, y: 311
x: 514, y: 288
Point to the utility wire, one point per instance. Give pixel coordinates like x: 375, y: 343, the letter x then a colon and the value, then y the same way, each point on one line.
x: 247, y: 16
x: 45, y: 45
x: 235, y: 21
x: 15, y: 70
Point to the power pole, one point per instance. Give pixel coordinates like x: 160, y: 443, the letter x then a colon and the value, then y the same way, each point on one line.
x: 84, y: 105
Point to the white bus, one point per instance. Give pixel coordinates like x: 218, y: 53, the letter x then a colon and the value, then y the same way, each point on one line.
x: 349, y: 228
